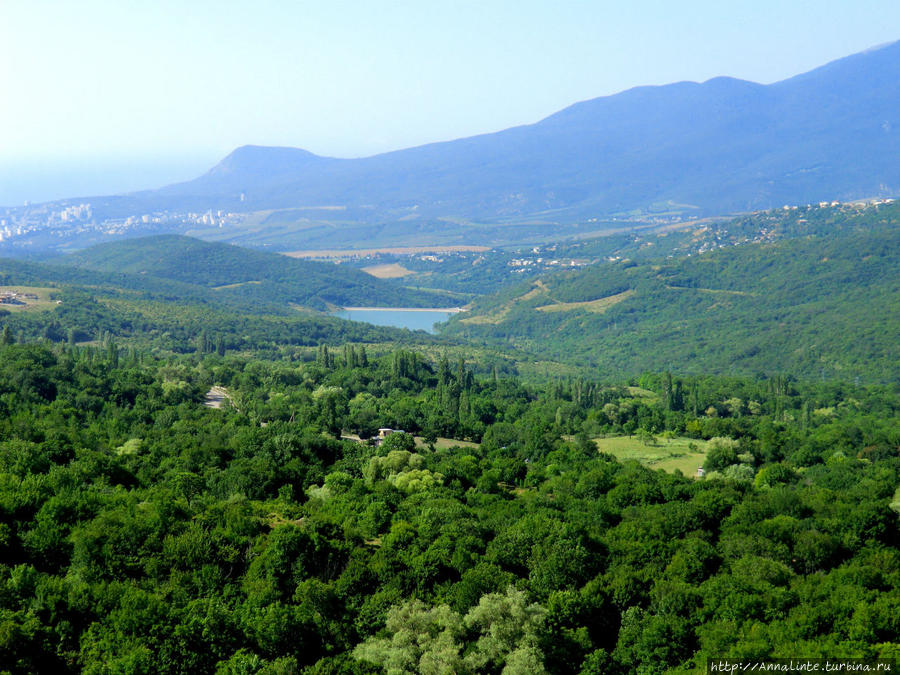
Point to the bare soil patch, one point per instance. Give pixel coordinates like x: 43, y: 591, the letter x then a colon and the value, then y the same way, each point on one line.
x: 391, y: 271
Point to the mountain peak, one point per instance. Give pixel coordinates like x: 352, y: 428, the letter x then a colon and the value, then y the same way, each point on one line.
x: 713, y: 147
x: 269, y: 158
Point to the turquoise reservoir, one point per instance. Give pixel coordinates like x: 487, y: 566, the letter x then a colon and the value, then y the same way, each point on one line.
x: 398, y: 317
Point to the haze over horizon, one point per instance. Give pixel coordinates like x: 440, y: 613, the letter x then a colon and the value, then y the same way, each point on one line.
x: 113, y: 99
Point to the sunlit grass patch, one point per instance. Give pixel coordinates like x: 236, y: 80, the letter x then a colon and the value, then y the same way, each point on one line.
x: 596, y: 306
x: 657, y: 452
x: 24, y: 298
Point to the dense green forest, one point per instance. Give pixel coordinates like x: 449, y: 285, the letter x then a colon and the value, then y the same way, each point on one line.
x: 142, y: 531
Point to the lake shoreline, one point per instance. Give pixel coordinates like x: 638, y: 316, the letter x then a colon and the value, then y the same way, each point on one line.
x: 413, y: 318
x: 448, y: 310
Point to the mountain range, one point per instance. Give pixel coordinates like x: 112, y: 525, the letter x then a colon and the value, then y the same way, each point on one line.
x: 674, y: 151
x: 723, y: 145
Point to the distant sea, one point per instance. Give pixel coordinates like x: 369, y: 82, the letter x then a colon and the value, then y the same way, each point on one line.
x: 42, y: 180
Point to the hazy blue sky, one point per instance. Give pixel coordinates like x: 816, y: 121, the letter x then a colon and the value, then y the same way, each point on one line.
x: 113, y: 95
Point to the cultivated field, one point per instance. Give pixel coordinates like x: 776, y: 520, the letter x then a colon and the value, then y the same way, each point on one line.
x: 685, y: 454
x: 27, y: 298
x: 363, y: 252
x: 445, y: 443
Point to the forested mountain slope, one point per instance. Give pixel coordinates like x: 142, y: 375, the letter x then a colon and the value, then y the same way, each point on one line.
x: 255, y: 276
x: 147, y: 311
x: 821, y: 305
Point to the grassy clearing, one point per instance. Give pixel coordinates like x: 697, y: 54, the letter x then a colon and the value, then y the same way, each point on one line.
x: 28, y: 298
x: 539, y: 288
x: 637, y: 392
x: 540, y: 370
x: 445, y: 443
x: 481, y: 319
x: 714, y: 291
x: 498, y: 316
x: 596, y: 306
x: 685, y: 454
x: 389, y: 271
x: 237, y: 285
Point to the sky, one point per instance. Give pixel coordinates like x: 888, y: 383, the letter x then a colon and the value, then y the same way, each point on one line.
x: 99, y: 97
